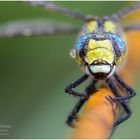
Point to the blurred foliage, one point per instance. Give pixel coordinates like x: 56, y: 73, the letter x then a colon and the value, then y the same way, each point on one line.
x: 34, y: 72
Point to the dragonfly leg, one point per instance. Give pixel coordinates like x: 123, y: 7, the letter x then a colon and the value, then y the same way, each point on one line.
x: 123, y: 103
x: 130, y: 92
x: 70, y: 88
x: 73, y: 114
x: 128, y: 111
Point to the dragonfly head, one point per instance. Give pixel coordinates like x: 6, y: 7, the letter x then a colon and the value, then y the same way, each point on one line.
x: 99, y: 54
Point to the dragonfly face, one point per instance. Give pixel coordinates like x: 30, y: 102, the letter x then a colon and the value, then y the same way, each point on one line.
x: 99, y: 53
x: 99, y: 58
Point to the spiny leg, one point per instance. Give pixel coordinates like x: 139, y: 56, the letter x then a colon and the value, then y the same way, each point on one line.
x: 70, y: 88
x: 113, y: 87
x: 127, y: 11
x: 53, y: 7
x: 73, y: 114
x: 35, y: 27
x: 128, y: 111
x: 130, y: 92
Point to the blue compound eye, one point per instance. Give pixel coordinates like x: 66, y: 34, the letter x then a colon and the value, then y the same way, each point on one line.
x: 121, y: 44
x: 119, y: 47
x: 81, y: 42
x: 79, y: 49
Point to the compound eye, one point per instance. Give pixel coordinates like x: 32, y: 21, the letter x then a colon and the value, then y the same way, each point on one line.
x: 119, y: 48
x: 73, y: 53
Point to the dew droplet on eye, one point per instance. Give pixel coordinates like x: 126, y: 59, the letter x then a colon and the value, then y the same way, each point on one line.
x: 73, y: 53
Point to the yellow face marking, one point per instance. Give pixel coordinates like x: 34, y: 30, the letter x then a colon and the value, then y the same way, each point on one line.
x: 99, y: 50
x: 91, y: 26
x: 103, y: 43
x: 99, y: 54
x: 109, y: 26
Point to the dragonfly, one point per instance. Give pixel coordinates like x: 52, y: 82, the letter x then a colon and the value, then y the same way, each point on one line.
x: 100, y: 48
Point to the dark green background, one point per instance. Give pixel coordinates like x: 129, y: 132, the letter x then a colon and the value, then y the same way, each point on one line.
x: 34, y: 72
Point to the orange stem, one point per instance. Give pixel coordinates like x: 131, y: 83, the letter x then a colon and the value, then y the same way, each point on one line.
x: 98, y: 116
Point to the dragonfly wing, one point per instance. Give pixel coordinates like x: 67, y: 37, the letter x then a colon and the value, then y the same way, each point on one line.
x: 35, y: 27
x: 132, y: 27
x: 53, y: 7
